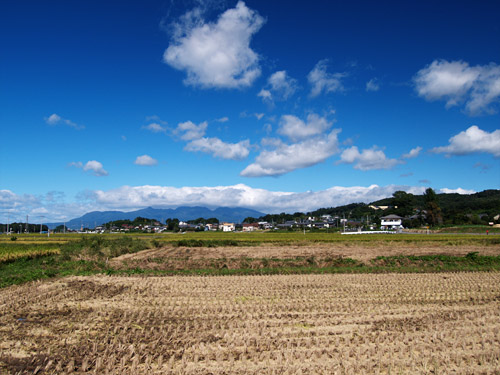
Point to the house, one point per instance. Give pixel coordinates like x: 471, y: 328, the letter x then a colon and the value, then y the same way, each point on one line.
x: 250, y: 227
x: 265, y: 225
x: 378, y: 207
x: 227, y: 227
x: 391, y: 222
x: 210, y: 226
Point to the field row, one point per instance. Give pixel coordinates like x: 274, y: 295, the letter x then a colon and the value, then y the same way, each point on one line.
x: 312, y: 324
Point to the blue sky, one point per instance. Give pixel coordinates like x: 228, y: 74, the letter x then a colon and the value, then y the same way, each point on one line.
x: 268, y: 105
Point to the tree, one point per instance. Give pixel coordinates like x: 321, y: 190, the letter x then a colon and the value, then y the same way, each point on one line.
x: 433, y: 216
x: 404, y: 202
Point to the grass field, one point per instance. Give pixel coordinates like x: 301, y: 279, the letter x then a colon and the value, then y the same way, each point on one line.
x: 443, y: 323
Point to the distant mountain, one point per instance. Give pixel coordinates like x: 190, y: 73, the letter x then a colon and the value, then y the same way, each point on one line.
x: 231, y: 214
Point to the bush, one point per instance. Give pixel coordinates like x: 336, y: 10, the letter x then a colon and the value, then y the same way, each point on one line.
x: 13, y: 238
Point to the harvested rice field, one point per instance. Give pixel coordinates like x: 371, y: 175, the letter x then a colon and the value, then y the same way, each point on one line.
x: 189, y: 258
x: 440, y: 323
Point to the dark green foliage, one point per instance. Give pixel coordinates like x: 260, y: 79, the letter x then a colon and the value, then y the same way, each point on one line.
x: 403, y: 203
x: 433, y: 215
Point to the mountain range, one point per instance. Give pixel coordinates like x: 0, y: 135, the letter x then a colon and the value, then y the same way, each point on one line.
x: 92, y: 219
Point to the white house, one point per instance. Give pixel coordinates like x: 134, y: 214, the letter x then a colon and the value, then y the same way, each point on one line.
x: 391, y: 222
x: 227, y: 227
x: 250, y: 227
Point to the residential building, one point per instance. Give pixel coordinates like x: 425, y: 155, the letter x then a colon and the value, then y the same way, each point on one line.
x: 391, y: 222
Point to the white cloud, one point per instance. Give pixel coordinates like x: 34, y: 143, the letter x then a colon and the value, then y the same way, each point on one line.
x: 241, y: 195
x: 265, y: 94
x: 414, y: 152
x: 280, y: 86
x: 457, y: 191
x: 471, y: 141
x: 322, y: 81
x: 15, y: 207
x: 189, y: 130
x: 77, y: 164
x: 216, y: 54
x: 478, y: 87
x: 55, y: 119
x: 284, y: 158
x: 368, y: 159
x: 95, y: 168
x: 259, y: 115
x: 223, y: 119
x: 92, y: 166
x: 372, y: 85
x: 296, y: 129
x: 145, y: 160
x: 155, y: 128
x: 220, y: 149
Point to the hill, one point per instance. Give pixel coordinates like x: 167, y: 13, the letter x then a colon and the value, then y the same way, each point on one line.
x: 91, y: 219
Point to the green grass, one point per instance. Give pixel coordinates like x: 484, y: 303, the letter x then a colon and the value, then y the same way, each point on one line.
x: 193, y: 239
x: 84, y: 255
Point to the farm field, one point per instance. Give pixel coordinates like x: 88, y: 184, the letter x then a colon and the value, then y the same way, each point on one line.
x: 33, y: 258
x: 446, y: 323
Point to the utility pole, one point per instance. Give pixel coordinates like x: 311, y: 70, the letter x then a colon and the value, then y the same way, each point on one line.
x: 27, y: 225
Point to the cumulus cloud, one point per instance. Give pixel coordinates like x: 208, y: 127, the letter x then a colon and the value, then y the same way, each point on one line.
x: 93, y: 166
x: 457, y: 191
x: 280, y: 86
x: 223, y: 119
x: 216, y: 54
x: 265, y: 95
x: 55, y: 119
x: 372, y: 85
x: 368, y: 159
x: 414, y: 152
x: 15, y: 207
x: 457, y: 83
x: 241, y: 195
x: 128, y: 198
x: 296, y: 129
x: 189, y: 130
x: 155, y: 128
x: 472, y: 140
x: 283, y: 158
x: 322, y: 81
x: 145, y: 160
x: 220, y: 149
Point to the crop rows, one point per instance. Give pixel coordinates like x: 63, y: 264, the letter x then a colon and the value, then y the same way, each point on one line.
x: 300, y: 324
x: 13, y: 251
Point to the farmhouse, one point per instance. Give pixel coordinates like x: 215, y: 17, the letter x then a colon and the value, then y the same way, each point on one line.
x: 250, y: 227
x: 391, y: 222
x: 227, y: 227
